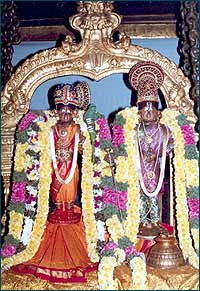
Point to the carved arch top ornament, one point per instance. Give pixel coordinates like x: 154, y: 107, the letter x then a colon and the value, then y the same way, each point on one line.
x: 96, y: 57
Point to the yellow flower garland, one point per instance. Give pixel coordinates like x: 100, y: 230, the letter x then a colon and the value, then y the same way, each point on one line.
x: 88, y: 201
x: 126, y: 173
x: 19, y: 164
x: 105, y: 273
x: 20, y: 158
x: 138, y: 267
x: 133, y: 198
x: 181, y: 178
x: 16, y: 228
x: 43, y: 195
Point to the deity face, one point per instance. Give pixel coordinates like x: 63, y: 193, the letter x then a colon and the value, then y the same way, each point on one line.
x: 66, y: 114
x: 148, y: 111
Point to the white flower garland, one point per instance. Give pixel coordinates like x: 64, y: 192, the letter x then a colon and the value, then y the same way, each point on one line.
x: 102, y: 168
x: 74, y: 161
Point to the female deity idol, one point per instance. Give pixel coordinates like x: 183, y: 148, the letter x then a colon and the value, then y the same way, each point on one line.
x: 153, y: 142
x: 62, y: 254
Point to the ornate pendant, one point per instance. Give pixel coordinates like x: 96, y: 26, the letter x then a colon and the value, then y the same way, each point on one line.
x: 63, y: 133
x: 148, y: 139
x: 62, y: 154
x: 150, y: 175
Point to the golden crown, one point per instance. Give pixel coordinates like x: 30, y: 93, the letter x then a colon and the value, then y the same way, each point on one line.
x: 78, y: 95
x: 146, y: 78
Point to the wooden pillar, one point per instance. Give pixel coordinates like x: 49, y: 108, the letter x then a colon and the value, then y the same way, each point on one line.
x: 189, y: 47
x: 9, y: 36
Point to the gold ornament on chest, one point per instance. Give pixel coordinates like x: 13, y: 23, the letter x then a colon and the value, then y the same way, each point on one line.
x: 63, y: 132
x: 150, y: 175
x: 62, y: 151
x: 148, y: 139
x: 62, y: 154
x: 149, y: 155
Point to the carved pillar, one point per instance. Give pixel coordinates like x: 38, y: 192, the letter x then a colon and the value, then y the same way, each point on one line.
x: 189, y: 47
x: 7, y: 150
x: 9, y: 36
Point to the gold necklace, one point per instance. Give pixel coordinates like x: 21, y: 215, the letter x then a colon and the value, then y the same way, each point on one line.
x: 149, y: 138
x: 64, y: 136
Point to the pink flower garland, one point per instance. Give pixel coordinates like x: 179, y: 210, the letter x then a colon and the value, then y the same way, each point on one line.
x: 104, y: 130
x: 188, y: 134
x: 118, y: 135
x: 18, y: 192
x: 193, y: 203
x: 194, y: 207
x: 110, y: 246
x: 131, y: 250
x: 26, y: 121
x: 8, y: 250
x: 118, y: 199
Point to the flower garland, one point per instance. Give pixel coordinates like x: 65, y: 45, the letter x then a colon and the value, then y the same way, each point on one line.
x: 131, y: 117
x: 28, y: 168
x: 105, y: 273
x: 191, y: 160
x: 120, y: 206
x: 99, y: 135
x: 138, y: 267
x: 186, y: 180
x: 88, y: 201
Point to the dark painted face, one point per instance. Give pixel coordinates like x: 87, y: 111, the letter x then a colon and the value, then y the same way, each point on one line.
x: 66, y: 114
x: 148, y: 111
